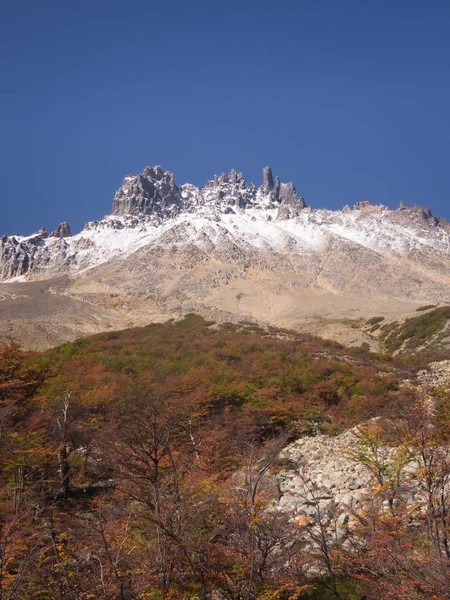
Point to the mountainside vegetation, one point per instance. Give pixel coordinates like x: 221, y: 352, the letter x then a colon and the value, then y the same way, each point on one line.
x: 428, y: 332
x: 140, y: 463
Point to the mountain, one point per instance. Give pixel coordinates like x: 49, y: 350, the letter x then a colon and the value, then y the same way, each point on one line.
x: 228, y: 251
x: 144, y: 209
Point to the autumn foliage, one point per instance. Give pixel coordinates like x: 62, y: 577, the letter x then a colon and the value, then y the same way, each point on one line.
x: 135, y: 465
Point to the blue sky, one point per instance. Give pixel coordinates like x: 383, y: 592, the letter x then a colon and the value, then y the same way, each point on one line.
x: 349, y: 99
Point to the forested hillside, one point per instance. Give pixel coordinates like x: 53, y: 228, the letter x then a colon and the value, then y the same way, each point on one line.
x: 142, y: 464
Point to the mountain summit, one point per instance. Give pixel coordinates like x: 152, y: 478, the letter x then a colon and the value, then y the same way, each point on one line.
x: 155, y: 193
x: 231, y: 250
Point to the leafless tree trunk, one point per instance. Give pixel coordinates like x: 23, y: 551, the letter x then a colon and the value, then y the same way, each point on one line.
x: 63, y: 423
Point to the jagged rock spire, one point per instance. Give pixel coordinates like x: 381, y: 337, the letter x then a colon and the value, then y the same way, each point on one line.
x: 268, y: 183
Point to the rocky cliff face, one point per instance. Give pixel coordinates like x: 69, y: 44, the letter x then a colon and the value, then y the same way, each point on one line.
x: 22, y: 255
x: 153, y: 192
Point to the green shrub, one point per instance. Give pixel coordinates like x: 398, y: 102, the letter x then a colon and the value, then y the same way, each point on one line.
x: 374, y: 320
x: 426, y: 307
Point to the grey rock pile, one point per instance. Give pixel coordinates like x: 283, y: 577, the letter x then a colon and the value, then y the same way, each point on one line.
x: 321, y: 466
x: 437, y: 375
x: 324, y: 475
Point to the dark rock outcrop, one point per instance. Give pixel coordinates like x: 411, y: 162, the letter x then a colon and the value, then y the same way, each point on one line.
x: 153, y: 192
x: 286, y: 195
x: 268, y: 183
x: 62, y: 231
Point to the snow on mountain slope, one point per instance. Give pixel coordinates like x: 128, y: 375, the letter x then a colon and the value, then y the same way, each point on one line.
x: 271, y: 218
x: 116, y: 237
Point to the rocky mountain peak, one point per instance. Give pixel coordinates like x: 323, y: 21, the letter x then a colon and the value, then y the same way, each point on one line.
x: 365, y: 205
x: 156, y: 172
x: 153, y: 192
x: 41, y: 232
x: 63, y: 230
x: 228, y: 190
x: 425, y: 215
x: 422, y: 216
x: 232, y: 178
x: 286, y: 194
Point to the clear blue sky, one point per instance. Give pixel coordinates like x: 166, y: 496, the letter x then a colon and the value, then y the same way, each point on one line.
x: 350, y: 99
